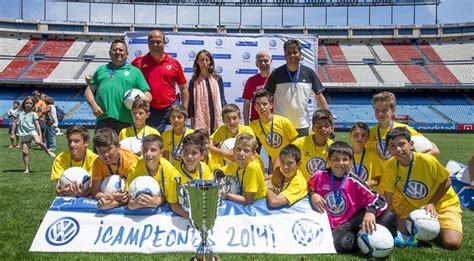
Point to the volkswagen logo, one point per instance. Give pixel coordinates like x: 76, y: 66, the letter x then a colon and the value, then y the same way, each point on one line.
x: 219, y: 69
x: 306, y: 232
x: 416, y: 190
x: 138, y: 53
x: 219, y: 42
x: 167, y: 40
x: 272, y: 43
x: 315, y: 164
x: 192, y: 54
x: 62, y: 231
x: 246, y: 56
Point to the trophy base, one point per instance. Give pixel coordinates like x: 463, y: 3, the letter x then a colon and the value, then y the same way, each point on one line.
x: 209, y: 258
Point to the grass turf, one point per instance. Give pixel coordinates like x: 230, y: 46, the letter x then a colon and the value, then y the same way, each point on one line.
x: 25, y: 199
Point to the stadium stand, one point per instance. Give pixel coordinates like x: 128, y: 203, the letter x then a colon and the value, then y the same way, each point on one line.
x: 100, y: 49
x: 321, y: 75
x: 442, y: 73
x: 340, y: 73
x: 4, y: 64
x: 336, y: 53
x: 454, y: 51
x: 381, y: 52
x: 53, y: 48
x: 41, y: 70
x: 450, y: 98
x: 356, y: 52
x: 76, y: 49
x: 89, y: 70
x: 65, y: 71
x: 10, y: 46
x: 402, y: 52
x: 391, y: 73
x: 463, y: 72
x: 28, y: 48
x: 15, y: 68
x: 415, y: 74
x: 363, y: 74
x: 463, y: 114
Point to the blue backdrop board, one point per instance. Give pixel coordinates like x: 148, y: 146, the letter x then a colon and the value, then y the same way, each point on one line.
x: 75, y: 225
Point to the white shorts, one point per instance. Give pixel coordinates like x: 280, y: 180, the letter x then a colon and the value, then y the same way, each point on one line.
x: 28, y: 138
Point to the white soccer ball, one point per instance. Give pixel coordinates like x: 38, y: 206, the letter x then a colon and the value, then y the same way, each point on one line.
x: 132, y: 144
x: 421, y: 143
x: 422, y: 226
x: 112, y: 183
x: 144, y: 185
x: 130, y: 97
x: 75, y: 175
x: 378, y: 245
x: 228, y: 145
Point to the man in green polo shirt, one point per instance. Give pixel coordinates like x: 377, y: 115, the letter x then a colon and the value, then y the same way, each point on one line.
x: 109, y: 83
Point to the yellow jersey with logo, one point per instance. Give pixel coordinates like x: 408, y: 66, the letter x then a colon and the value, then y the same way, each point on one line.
x: 250, y: 179
x: 141, y: 132
x: 174, y: 144
x: 293, y: 189
x: 313, y: 158
x: 201, y: 172
x: 64, y: 161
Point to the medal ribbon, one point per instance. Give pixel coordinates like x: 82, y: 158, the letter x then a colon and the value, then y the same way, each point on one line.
x: 162, y: 179
x: 136, y: 133
x: 83, y: 160
x: 265, y: 134
x: 294, y: 80
x: 190, y: 177
x: 405, y: 186
x: 118, y: 166
x: 337, y: 194
x: 384, y: 148
x: 175, y: 148
x: 358, y: 172
x: 241, y: 188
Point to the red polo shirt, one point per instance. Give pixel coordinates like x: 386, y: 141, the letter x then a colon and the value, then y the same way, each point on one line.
x: 161, y: 77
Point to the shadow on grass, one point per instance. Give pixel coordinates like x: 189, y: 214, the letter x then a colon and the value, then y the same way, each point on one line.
x: 16, y: 171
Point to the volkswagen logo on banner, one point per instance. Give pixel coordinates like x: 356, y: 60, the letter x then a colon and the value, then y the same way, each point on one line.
x: 167, y: 40
x: 62, y: 231
x: 272, y: 43
x: 219, y: 42
x: 192, y: 54
x: 307, y: 232
x: 138, y: 53
x: 219, y: 69
x: 246, y: 56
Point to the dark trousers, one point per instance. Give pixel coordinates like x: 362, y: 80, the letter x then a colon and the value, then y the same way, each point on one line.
x: 345, y: 236
x: 114, y: 124
x: 159, y: 118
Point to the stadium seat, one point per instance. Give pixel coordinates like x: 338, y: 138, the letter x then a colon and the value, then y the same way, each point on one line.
x: 321, y: 53
x: 66, y: 70
x: 454, y: 51
x: 336, y: 53
x: 28, y: 48
x: 100, y: 49
x: 321, y: 75
x: 10, y: 46
x: 415, y: 74
x: 463, y: 114
x: 429, y: 52
x: 450, y: 98
x: 402, y: 52
x: 391, y: 74
x: 356, y: 52
x: 55, y: 48
x: 15, y: 68
x: 41, y: 70
x: 340, y: 73
x: 363, y: 74
x: 463, y: 72
x: 442, y: 73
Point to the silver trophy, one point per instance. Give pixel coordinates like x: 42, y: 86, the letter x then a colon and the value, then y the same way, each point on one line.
x: 202, y: 197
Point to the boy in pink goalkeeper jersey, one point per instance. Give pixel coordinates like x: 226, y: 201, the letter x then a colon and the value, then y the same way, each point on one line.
x: 350, y: 204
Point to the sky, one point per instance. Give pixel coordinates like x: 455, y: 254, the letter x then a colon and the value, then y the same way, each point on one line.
x: 449, y: 11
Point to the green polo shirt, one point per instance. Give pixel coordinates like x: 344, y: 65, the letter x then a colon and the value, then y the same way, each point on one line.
x: 112, y: 84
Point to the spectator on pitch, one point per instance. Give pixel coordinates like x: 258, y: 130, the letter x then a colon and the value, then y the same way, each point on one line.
x: 11, y: 131
x: 162, y: 72
x: 292, y: 85
x: 51, y: 121
x: 263, y: 60
x: 76, y: 155
x: 40, y: 109
x: 106, y: 88
x: 206, y: 94
x: 28, y: 130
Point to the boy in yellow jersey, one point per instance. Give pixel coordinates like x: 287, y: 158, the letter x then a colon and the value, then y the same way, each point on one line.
x: 273, y: 131
x: 315, y: 147
x: 139, y: 129
x: 173, y: 138
x: 384, y: 104
x: 77, y: 155
x: 230, y: 129
x: 209, y: 158
x: 161, y: 170
x: 413, y: 180
x: 192, y: 167
x: 111, y: 161
x: 246, y: 170
x: 365, y: 164
x: 292, y: 186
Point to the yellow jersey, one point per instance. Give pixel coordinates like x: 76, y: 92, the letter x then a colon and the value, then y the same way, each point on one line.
x: 64, y: 161
x: 174, y: 144
x: 293, y: 189
x: 137, y: 133
x: 313, y: 158
x: 202, y: 172
x: 100, y: 170
x: 250, y: 179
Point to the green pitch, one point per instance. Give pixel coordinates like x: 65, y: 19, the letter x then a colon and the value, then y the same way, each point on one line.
x: 25, y: 199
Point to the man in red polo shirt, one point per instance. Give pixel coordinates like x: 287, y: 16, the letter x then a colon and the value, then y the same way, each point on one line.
x: 162, y: 72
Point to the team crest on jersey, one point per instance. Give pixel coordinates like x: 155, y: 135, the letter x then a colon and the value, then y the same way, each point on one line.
x: 364, y: 172
x: 274, y: 141
x: 168, y: 67
x: 332, y: 207
x: 379, y: 148
x: 416, y: 190
x: 126, y: 73
x: 314, y: 164
x: 177, y: 152
x: 326, y: 187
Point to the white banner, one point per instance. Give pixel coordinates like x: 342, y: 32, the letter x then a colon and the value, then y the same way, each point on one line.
x: 234, y: 54
x: 75, y: 225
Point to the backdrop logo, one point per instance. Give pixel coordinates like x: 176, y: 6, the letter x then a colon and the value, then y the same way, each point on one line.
x: 167, y: 40
x: 247, y: 43
x: 246, y: 56
x: 192, y: 42
x: 62, y: 231
x: 138, y: 53
x: 219, y: 42
x: 219, y: 69
x: 192, y: 54
x: 306, y: 232
x: 272, y: 43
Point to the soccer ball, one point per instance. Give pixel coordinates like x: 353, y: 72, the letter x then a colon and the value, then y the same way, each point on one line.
x: 75, y: 175
x: 422, y: 226
x: 228, y: 145
x: 421, y: 143
x: 132, y: 144
x: 130, y: 96
x: 378, y: 245
x: 112, y: 183
x: 144, y: 185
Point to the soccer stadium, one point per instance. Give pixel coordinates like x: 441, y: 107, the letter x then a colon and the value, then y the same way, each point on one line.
x: 363, y: 47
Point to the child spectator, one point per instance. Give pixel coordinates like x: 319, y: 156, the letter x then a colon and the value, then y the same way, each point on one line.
x: 12, y: 132
x: 350, y: 204
x: 76, y: 155
x: 29, y: 129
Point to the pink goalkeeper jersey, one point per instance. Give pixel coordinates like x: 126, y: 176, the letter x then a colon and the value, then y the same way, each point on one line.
x: 356, y: 196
